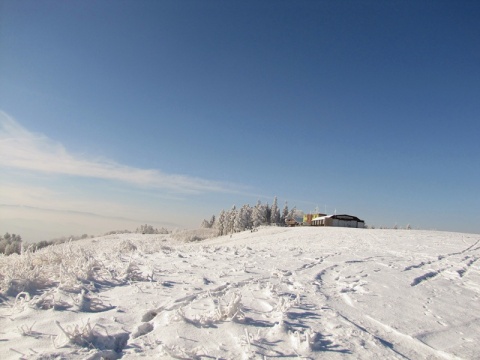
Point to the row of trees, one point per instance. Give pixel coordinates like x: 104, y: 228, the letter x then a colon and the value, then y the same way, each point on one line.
x: 247, y: 217
x: 149, y: 229
x: 10, y: 244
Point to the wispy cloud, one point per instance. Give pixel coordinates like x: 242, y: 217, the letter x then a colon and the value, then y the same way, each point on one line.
x: 22, y: 149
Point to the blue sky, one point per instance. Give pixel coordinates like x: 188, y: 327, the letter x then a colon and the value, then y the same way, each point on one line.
x: 117, y: 113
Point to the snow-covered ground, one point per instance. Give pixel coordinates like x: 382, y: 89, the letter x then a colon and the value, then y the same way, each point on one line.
x: 320, y: 293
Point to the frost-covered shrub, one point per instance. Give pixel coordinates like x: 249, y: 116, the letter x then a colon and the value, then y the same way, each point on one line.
x: 68, y: 267
x: 127, y: 246
x: 19, y: 273
x: 229, y: 310
x: 86, y: 335
x: 226, y: 308
x: 115, y: 232
x: 41, y: 244
x: 149, y: 229
x: 194, y: 235
x: 10, y: 244
x: 205, y: 224
x: 13, y: 248
x: 178, y: 352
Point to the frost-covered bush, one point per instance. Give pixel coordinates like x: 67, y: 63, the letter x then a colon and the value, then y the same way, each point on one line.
x: 10, y: 244
x: 22, y: 273
x: 115, y: 232
x: 226, y: 308
x: 209, y: 224
x: 149, y: 229
x: 86, y: 335
x: 41, y: 244
x: 194, y: 235
x: 68, y: 267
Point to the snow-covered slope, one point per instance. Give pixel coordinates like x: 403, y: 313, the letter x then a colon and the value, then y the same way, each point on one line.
x: 326, y: 293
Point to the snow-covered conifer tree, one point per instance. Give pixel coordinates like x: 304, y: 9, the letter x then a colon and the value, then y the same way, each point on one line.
x: 292, y: 213
x: 268, y: 214
x: 258, y: 214
x: 247, y: 217
x: 205, y: 224
x: 274, y: 213
x: 231, y: 215
x: 238, y: 221
x: 221, y: 223
x: 284, y: 214
x: 243, y: 218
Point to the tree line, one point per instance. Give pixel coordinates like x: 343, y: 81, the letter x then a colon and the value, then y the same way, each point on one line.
x: 249, y: 218
x: 149, y: 229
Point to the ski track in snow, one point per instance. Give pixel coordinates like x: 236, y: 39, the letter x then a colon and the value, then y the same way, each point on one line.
x: 315, y: 293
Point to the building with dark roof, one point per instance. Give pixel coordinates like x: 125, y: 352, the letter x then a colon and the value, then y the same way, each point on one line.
x: 338, y: 220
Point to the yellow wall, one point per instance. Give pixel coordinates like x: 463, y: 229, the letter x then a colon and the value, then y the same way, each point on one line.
x: 309, y: 217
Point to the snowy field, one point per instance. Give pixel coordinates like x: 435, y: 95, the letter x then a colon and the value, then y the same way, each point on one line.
x: 317, y: 293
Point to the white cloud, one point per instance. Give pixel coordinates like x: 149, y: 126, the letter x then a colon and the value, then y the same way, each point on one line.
x: 22, y: 149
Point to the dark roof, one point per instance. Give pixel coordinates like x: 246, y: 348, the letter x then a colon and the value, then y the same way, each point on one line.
x: 345, y: 217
